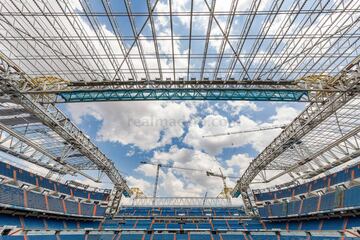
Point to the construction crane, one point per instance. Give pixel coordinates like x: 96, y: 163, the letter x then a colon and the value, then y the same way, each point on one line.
x: 226, y: 192
x: 137, y: 192
x: 158, y: 166
x: 247, y: 131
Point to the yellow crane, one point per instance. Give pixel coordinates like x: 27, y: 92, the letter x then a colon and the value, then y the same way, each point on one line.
x: 227, y: 190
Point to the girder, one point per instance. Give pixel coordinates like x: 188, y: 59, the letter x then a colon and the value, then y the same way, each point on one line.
x: 182, y: 94
x: 308, y: 89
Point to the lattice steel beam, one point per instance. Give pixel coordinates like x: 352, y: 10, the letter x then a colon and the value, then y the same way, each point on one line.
x: 302, y: 90
x: 17, y: 145
x: 10, y: 78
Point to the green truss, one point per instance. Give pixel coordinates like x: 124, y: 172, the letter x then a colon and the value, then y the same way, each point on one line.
x: 183, y: 94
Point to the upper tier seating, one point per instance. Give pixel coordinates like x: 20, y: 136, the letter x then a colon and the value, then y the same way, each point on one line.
x: 148, y: 211
x: 15, y: 173
x: 345, y: 175
x: 329, y: 202
x: 13, y: 197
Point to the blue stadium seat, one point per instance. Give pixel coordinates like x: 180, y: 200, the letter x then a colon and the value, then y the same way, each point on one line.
x: 71, y: 225
x: 325, y: 238
x: 173, y: 226
x: 32, y: 223
x: 15, y: 237
x: 200, y: 236
x: 351, y: 197
x: 41, y: 237
x: 110, y: 224
x: 159, y: 226
x: 72, y: 236
x: 353, y: 222
x: 275, y: 225
x: 131, y: 236
x: 54, y: 224
x: 89, y: 224
x: 293, y: 225
x: 163, y: 236
x: 333, y: 224
x: 11, y: 196
x: 9, y: 220
x: 204, y: 226
x: 237, y: 236
x: 263, y: 212
x: 143, y: 224
x: 327, y: 201
x: 55, y: 204
x: 293, y: 208
x: 289, y: 236
x: 181, y: 237
x: 103, y: 236
x: 279, y: 210
x: 310, y: 205
x: 36, y: 201
x: 219, y: 224
x: 310, y: 225
x: 86, y: 209
x: 190, y: 226
x: 263, y: 236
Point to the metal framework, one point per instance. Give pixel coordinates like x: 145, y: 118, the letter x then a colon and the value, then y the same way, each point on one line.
x: 30, y: 128
x: 322, y: 137
x: 109, y: 50
x: 301, y: 90
x: 169, y: 40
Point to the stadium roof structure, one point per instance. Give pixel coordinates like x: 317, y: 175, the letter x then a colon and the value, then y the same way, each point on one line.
x: 107, y: 50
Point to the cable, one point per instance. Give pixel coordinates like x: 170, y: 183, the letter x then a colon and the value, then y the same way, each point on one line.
x: 247, y: 131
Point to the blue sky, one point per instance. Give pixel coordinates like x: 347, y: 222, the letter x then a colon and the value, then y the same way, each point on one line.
x: 110, y: 126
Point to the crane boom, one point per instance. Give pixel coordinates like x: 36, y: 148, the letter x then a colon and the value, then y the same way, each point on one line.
x: 247, y: 131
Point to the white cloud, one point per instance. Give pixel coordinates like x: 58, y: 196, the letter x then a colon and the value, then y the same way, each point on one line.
x: 238, y: 106
x: 146, y: 125
x: 239, y: 161
x: 216, y: 124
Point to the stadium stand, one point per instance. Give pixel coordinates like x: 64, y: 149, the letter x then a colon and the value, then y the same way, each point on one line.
x: 332, y: 180
x: 14, y: 197
x: 18, y: 174
x: 332, y: 201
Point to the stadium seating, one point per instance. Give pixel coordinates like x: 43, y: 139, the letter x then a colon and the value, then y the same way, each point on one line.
x: 15, y: 173
x: 148, y: 211
x: 328, y: 202
x: 339, y: 177
x: 14, y: 197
